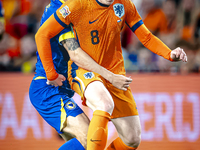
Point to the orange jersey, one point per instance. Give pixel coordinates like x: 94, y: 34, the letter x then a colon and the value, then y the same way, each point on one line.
x: 98, y: 28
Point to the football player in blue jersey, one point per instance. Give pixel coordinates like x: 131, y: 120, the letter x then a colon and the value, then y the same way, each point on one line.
x: 51, y: 94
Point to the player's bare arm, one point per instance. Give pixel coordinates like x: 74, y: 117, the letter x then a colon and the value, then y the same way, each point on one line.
x: 70, y: 44
x: 83, y: 60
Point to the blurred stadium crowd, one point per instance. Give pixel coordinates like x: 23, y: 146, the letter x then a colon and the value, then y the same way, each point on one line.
x: 175, y: 22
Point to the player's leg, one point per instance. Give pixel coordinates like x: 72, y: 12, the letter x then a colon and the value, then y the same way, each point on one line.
x: 73, y: 124
x: 100, y: 101
x: 75, y: 132
x: 126, y: 120
x: 90, y: 87
x: 55, y: 107
x: 129, y: 131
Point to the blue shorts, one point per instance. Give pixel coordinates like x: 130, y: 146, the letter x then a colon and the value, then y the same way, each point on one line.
x: 53, y: 103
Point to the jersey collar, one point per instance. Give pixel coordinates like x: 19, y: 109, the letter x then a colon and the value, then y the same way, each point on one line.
x: 103, y: 5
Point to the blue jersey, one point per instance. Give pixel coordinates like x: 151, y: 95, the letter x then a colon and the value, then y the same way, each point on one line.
x: 54, y: 104
x: 1, y: 10
x: 59, y: 54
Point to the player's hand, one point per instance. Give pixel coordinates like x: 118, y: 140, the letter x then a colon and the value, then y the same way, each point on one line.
x: 178, y: 54
x: 58, y: 81
x: 121, y: 82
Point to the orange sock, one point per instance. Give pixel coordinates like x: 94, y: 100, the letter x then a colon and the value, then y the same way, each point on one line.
x: 118, y: 144
x: 98, y: 131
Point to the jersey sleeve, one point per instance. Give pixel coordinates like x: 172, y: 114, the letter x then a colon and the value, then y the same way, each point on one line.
x: 48, y: 30
x: 152, y: 42
x: 133, y: 19
x: 69, y: 12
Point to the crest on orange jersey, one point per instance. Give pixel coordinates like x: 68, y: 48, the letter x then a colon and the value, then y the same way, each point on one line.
x: 119, y: 10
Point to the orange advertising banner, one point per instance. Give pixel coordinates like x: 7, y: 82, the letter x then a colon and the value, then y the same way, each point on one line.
x: 169, y: 108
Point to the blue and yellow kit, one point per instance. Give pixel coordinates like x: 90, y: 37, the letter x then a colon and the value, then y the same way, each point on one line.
x: 2, y: 20
x: 54, y: 104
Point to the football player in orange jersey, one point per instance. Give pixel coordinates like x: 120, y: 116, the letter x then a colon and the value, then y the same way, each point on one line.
x: 55, y: 104
x: 98, y: 24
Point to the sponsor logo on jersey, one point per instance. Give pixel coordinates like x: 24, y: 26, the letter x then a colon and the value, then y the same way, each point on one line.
x: 65, y: 11
x: 119, y: 10
x: 70, y: 105
x: 89, y: 75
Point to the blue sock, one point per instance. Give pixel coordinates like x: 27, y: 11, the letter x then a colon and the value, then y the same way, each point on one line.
x: 72, y: 144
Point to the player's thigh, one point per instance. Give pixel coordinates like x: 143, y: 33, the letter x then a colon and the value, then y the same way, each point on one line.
x: 124, y: 102
x: 52, y: 104
x: 76, y: 127
x: 98, y: 97
x: 90, y: 87
x: 129, y: 129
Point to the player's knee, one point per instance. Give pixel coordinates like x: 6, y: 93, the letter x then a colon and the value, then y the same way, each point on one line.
x: 133, y: 140
x: 80, y: 134
x: 83, y: 140
x: 105, y: 102
x: 102, y: 102
x: 107, y: 106
x: 82, y: 130
x: 98, y: 97
x: 77, y: 127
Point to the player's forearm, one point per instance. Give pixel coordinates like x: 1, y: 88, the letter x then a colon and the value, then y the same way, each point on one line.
x: 42, y: 38
x: 83, y: 60
x: 153, y: 43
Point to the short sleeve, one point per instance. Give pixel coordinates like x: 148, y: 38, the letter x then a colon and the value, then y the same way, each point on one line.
x: 133, y: 19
